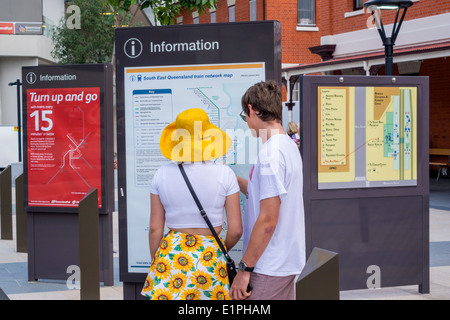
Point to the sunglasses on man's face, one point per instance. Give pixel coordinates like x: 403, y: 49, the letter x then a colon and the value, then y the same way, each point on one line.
x: 243, y: 116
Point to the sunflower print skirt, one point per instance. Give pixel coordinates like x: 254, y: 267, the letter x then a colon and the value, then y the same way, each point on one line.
x: 187, y: 267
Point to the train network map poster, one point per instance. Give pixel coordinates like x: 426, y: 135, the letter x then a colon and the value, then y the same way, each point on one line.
x: 63, y: 149
x: 154, y: 96
x: 367, y: 137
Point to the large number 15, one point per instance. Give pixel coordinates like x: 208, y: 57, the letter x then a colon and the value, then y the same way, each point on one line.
x: 35, y: 114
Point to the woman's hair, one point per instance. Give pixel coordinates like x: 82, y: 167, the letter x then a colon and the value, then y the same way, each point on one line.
x: 265, y: 99
x: 292, y: 127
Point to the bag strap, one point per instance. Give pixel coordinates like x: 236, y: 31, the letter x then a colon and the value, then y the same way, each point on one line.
x: 202, y: 212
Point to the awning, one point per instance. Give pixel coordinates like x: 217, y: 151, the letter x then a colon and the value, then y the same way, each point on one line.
x: 369, y: 60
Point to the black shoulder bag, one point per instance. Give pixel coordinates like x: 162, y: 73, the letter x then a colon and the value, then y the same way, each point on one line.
x: 231, y: 267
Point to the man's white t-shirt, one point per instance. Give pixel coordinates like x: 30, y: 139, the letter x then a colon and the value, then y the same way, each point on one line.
x: 278, y: 172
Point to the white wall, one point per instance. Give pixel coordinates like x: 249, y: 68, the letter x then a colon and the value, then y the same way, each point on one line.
x: 10, y: 71
x: 26, y: 46
x: 17, y: 51
x: 433, y: 29
x: 53, y: 9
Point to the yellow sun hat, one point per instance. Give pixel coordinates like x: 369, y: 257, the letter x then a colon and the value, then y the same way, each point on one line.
x: 193, y: 138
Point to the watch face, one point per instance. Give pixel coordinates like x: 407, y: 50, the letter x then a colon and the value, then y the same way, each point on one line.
x: 244, y: 267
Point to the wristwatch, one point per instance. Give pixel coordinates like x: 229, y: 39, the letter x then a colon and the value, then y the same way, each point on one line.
x: 244, y: 267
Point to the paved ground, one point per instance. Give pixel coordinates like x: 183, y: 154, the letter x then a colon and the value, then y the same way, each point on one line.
x: 14, y: 284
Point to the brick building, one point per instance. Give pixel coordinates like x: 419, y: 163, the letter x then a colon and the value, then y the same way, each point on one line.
x: 338, y: 37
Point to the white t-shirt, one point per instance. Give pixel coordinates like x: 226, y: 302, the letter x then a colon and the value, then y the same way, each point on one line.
x: 211, y: 182
x: 278, y: 172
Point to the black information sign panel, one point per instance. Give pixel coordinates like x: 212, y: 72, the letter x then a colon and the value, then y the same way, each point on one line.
x: 66, y: 130
x: 162, y: 71
x: 68, y: 149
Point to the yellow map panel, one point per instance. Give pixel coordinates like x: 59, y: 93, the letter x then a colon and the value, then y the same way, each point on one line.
x: 367, y: 136
x: 336, y: 134
x: 391, y: 134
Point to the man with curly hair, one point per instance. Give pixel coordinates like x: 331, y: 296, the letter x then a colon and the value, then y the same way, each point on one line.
x: 274, y: 226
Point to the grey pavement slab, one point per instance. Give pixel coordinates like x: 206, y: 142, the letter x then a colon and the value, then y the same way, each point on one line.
x: 15, y: 286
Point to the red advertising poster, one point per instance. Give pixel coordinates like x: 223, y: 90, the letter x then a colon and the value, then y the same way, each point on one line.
x: 64, y: 150
x: 6, y: 28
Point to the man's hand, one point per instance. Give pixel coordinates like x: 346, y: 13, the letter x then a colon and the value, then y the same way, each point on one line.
x: 238, y: 290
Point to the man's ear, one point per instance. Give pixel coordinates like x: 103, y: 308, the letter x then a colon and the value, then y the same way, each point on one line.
x: 250, y: 109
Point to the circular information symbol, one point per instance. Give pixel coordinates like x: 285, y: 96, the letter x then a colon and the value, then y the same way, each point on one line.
x: 132, y: 48
x: 31, y: 77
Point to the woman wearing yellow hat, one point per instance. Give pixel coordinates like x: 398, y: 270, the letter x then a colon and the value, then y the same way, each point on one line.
x: 187, y: 261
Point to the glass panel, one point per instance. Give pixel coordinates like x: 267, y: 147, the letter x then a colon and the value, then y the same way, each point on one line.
x: 306, y: 12
x: 252, y: 10
x: 231, y: 14
x: 357, y: 4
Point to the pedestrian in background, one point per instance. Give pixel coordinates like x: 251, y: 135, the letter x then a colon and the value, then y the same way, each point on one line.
x: 294, y: 132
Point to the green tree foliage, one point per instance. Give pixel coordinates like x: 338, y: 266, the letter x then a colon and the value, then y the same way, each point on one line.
x: 92, y: 43
x: 166, y: 11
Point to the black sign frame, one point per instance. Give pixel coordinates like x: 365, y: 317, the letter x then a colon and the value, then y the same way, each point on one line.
x: 383, y: 226
x: 94, y: 75
x: 240, y: 42
x: 53, y: 235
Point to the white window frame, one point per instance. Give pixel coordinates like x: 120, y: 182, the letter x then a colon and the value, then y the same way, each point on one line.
x: 302, y: 19
x: 232, y: 13
x: 253, y: 10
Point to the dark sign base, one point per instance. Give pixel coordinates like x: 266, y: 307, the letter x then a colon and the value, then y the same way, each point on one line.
x: 132, y: 291
x: 53, y: 246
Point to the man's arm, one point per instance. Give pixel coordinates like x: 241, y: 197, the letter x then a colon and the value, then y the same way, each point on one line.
x: 242, y: 184
x: 157, y: 220
x: 261, y: 234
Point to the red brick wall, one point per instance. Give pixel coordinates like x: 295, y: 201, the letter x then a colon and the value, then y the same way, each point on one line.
x: 242, y: 12
x: 330, y: 20
x: 334, y: 22
x: 439, y: 72
x: 294, y: 43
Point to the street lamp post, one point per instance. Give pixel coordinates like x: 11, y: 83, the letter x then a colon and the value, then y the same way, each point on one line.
x: 375, y: 6
x: 19, y: 126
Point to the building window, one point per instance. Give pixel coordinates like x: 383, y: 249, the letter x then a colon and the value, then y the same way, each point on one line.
x: 357, y: 4
x: 213, y: 17
x: 252, y: 10
x: 195, y: 17
x: 231, y: 14
x: 296, y: 92
x: 306, y: 12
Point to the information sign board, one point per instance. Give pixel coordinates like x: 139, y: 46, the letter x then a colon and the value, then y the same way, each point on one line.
x: 64, y: 129
x: 162, y: 71
x: 366, y: 176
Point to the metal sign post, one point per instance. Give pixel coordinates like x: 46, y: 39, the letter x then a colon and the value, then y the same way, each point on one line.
x: 5, y: 204
x: 88, y: 231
